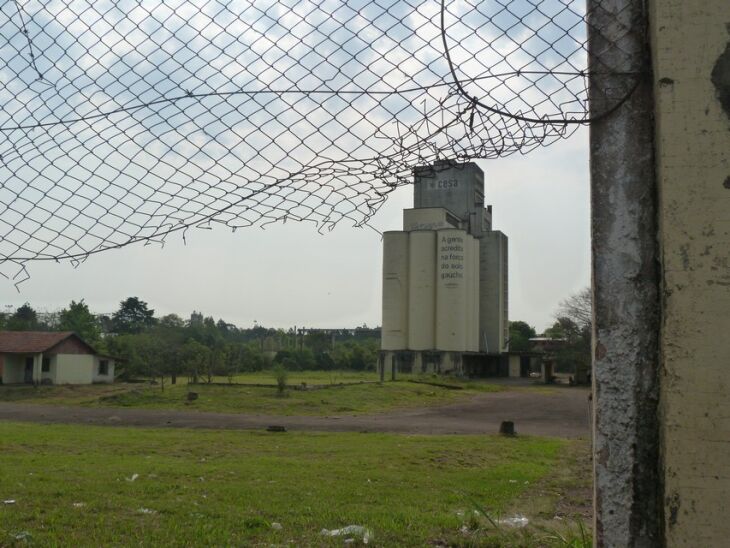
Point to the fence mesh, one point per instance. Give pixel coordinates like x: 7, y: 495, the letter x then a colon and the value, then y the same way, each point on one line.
x: 126, y: 121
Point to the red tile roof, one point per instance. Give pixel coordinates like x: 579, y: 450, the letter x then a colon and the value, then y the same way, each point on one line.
x: 32, y: 342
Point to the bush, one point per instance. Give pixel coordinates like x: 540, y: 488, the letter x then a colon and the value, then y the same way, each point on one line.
x: 280, y: 374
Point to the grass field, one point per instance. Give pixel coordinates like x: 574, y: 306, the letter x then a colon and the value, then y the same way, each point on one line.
x: 348, y: 399
x: 96, y: 486
x: 309, y: 377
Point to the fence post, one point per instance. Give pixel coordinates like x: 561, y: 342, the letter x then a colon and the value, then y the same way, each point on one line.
x: 627, y: 488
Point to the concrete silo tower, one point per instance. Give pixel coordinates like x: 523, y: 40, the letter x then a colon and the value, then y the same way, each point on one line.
x: 444, y: 277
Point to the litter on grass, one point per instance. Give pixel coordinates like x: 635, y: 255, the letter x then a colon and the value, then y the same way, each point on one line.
x: 79, y: 504
x: 146, y: 511
x: 9, y: 501
x: 518, y: 520
x: 350, y: 530
x: 23, y: 535
x: 276, y: 526
x: 134, y: 477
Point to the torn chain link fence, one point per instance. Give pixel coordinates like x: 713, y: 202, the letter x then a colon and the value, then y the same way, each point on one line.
x: 127, y: 122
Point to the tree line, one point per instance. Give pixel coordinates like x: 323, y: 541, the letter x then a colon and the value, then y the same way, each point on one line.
x: 198, y: 348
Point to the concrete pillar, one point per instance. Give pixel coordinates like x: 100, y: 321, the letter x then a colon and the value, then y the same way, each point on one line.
x: 691, y: 59
x: 37, y: 368
x: 627, y: 487
x: 417, y: 362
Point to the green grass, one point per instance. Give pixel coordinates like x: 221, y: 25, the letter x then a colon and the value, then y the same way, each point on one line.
x: 71, y: 486
x: 309, y: 377
x: 343, y: 400
x: 350, y: 400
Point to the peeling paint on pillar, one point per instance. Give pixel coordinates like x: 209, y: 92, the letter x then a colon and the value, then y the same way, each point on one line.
x: 627, y: 491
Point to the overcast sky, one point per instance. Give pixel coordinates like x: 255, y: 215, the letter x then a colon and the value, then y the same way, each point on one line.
x: 73, y: 187
x: 290, y: 274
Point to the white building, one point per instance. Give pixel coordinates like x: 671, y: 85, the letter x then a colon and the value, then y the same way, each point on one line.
x: 444, y: 276
x: 36, y: 357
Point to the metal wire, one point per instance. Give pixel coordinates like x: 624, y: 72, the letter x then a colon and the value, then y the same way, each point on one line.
x: 128, y: 121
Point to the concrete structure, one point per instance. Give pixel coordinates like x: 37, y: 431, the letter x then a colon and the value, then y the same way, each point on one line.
x: 444, y: 276
x: 660, y: 170
x: 547, y: 348
x: 522, y: 364
x: 625, y: 289
x: 35, y: 357
x: 690, y: 45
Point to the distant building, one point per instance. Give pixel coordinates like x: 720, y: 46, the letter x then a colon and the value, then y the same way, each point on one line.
x: 444, y: 277
x: 38, y: 357
x: 549, y: 349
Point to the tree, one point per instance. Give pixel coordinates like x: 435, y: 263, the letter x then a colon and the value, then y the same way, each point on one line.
x: 172, y: 321
x: 573, y: 322
x: 564, y: 328
x: 357, y: 355
x: 520, y: 334
x: 296, y: 360
x: 194, y: 356
x: 133, y: 316
x: 154, y: 356
x: 106, y: 323
x: 251, y: 358
x: 24, y: 319
x: 318, y: 341
x: 124, y: 347
x: 223, y: 327
x: 216, y: 360
x: 578, y: 308
x: 79, y: 319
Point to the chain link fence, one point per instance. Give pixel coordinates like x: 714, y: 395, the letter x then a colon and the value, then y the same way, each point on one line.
x: 127, y: 121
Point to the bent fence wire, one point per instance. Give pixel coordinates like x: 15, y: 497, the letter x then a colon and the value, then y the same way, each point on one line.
x: 126, y: 121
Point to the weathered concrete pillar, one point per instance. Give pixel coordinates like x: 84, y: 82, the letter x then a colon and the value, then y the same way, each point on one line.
x: 627, y: 490
x: 691, y: 59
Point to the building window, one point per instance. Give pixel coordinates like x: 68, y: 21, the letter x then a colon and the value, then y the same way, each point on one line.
x: 103, y: 367
x: 46, y: 365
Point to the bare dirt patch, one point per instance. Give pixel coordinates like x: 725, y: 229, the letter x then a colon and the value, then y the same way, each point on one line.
x: 562, y: 412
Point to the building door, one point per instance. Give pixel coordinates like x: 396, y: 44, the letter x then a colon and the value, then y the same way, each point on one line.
x: 524, y: 366
x: 28, y: 377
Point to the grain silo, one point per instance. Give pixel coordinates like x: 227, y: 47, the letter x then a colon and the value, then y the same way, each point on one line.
x: 395, y: 291
x: 444, y: 276
x: 422, y: 290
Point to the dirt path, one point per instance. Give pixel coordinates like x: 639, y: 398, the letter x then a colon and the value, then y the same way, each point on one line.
x: 563, y: 413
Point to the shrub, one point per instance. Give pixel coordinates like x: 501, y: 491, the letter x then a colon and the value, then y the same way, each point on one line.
x: 280, y: 374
